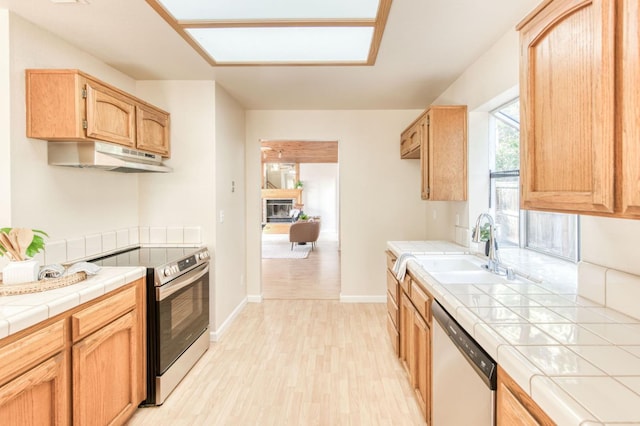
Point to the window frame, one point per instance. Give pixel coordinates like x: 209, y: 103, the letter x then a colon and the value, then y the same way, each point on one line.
x: 524, y: 238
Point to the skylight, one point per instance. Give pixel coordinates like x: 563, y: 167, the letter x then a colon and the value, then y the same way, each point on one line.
x: 279, y: 32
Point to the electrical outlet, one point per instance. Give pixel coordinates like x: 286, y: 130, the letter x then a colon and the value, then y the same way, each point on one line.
x: 434, y: 214
x: 457, y: 220
x: 221, y: 216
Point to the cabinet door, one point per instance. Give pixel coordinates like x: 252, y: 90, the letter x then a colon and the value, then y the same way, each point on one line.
x: 54, y: 104
x: 406, y: 333
x: 422, y: 364
x: 110, y: 116
x: 447, y: 159
x: 628, y: 172
x: 411, y: 139
x: 40, y: 396
x: 514, y: 407
x: 567, y: 107
x: 105, y: 374
x: 152, y: 129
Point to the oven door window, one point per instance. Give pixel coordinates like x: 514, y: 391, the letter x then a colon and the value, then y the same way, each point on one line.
x: 183, y: 314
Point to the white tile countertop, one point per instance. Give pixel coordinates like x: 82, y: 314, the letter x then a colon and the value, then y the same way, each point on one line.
x: 578, y: 360
x: 22, y: 311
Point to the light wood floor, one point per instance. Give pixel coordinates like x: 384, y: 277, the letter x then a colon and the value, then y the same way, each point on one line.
x: 316, y: 277
x: 295, y: 362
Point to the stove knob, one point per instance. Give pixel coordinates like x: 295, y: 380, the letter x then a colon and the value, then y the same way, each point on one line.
x: 202, y: 255
x: 167, y: 271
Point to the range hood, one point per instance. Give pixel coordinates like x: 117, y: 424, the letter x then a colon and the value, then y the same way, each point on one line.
x: 105, y: 156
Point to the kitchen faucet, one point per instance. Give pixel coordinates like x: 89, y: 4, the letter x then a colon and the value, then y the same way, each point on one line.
x: 493, y: 264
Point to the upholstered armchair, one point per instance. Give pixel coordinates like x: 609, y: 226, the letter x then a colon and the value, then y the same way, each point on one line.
x: 304, y: 232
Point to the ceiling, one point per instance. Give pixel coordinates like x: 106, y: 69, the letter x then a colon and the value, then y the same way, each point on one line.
x: 426, y: 45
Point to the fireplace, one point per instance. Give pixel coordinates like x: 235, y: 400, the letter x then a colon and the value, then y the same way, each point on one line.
x: 277, y: 210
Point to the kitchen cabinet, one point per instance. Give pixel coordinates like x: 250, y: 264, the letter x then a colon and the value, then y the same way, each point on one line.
x: 107, y: 338
x: 514, y: 407
x: 415, y: 343
x: 110, y: 116
x: 69, y: 105
x: 439, y: 139
x: 411, y: 139
x: 443, y: 154
x: 34, y: 386
x: 393, y: 311
x: 84, y: 366
x: 152, y: 130
x: 579, y: 108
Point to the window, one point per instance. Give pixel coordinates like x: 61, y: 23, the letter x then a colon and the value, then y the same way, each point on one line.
x: 555, y: 234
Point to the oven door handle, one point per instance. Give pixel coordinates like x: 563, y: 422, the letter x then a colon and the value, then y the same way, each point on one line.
x: 167, y: 290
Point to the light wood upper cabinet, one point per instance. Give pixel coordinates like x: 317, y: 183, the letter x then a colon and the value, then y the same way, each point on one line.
x: 443, y: 154
x: 514, y: 407
x: 628, y: 109
x: 152, y: 128
x: 110, y: 116
x: 411, y: 139
x: 68, y: 105
x: 580, y: 111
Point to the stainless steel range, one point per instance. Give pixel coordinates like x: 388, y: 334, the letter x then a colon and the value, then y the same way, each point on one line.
x: 177, y: 312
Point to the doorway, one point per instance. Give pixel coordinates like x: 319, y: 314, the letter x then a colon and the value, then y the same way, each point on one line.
x: 301, y: 177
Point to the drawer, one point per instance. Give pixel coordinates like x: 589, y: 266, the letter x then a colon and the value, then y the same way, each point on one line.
x: 32, y: 349
x: 391, y: 260
x: 392, y: 309
x: 102, y: 313
x: 392, y: 286
x: 393, y: 335
x: 421, y: 301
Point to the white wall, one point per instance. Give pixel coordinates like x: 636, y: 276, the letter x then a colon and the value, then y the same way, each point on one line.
x: 186, y: 196
x: 207, y: 155
x: 65, y: 202
x: 320, y: 194
x: 231, y: 289
x: 371, y: 174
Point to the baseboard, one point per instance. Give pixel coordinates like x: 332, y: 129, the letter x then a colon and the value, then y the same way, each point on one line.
x: 254, y: 298
x: 217, y: 334
x: 363, y: 299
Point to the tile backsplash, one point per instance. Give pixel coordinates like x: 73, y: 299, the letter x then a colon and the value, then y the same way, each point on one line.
x: 90, y: 246
x: 609, y: 287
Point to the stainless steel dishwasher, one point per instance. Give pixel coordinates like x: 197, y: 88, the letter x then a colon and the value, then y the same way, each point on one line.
x: 463, y: 375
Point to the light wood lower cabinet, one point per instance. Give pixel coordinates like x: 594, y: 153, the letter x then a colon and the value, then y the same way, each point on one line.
x: 515, y: 407
x: 415, y: 345
x: 39, y: 396
x: 104, y: 374
x: 393, y: 301
x: 85, y: 366
x: 421, y: 352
